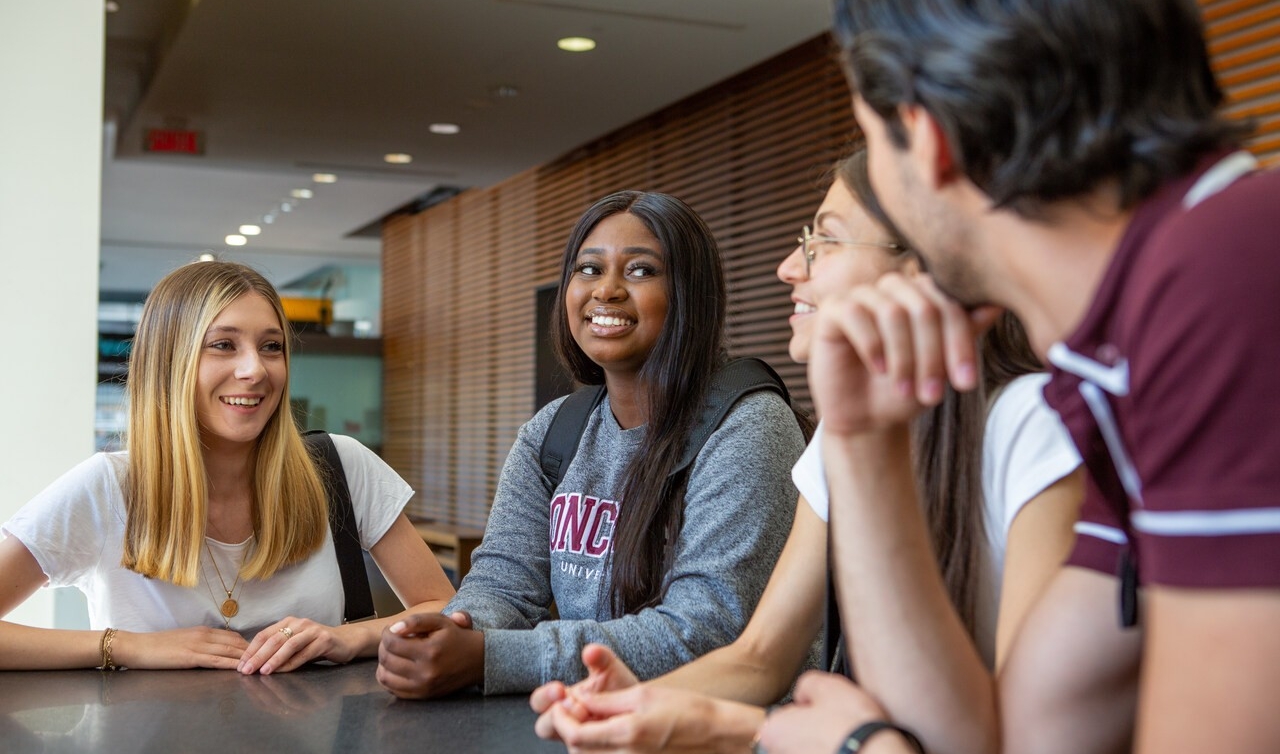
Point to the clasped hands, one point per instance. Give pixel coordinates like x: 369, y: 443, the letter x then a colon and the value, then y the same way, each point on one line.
x: 430, y: 654
x: 610, y: 710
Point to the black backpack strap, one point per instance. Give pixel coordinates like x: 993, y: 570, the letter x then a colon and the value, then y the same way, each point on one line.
x: 560, y: 444
x: 834, y: 659
x: 732, y: 381
x: 342, y: 523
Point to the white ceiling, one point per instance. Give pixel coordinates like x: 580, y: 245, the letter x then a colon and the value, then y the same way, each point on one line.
x: 281, y: 89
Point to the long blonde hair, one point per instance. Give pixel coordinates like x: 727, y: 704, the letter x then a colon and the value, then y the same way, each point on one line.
x: 166, y: 485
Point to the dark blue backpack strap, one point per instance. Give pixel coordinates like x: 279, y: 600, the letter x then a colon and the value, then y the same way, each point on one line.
x: 342, y: 523
x: 560, y: 444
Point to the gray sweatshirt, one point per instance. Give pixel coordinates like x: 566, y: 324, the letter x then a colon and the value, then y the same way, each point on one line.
x: 542, y: 547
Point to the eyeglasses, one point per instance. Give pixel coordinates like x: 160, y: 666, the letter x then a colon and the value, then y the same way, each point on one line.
x: 810, y: 243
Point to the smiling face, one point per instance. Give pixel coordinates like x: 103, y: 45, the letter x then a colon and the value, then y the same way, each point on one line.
x: 616, y: 299
x: 242, y: 372
x: 837, y: 267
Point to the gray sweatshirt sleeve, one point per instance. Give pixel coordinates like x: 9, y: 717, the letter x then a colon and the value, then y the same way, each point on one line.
x: 738, y: 511
x: 509, y: 584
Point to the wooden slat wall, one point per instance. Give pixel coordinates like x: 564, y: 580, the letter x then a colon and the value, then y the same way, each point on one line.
x: 748, y: 154
x: 459, y: 278
x: 1245, y: 43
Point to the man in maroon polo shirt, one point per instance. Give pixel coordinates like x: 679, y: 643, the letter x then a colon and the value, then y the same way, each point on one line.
x: 1064, y: 159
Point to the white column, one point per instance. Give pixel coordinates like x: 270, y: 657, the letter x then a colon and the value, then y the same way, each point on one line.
x: 50, y: 185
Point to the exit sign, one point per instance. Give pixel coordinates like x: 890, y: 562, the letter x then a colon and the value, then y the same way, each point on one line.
x: 174, y: 141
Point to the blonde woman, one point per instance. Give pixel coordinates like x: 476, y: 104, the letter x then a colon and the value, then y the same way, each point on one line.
x: 207, y: 542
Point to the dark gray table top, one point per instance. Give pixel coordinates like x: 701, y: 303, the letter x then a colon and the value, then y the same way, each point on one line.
x: 316, y: 709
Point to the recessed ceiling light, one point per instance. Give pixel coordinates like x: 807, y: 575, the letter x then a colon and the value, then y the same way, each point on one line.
x: 301, y: 194
x: 250, y: 230
x: 268, y: 218
x: 286, y: 207
x: 324, y: 177
x: 444, y: 128
x: 112, y: 6
x: 576, y: 44
x: 236, y: 240
x: 398, y: 158
x: 207, y: 257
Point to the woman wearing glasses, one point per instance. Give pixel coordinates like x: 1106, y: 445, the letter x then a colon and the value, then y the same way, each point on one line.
x: 999, y: 487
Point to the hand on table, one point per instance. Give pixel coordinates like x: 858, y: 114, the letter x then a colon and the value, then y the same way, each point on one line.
x: 826, y: 709
x: 291, y: 643
x: 198, y: 647
x: 430, y: 654
x: 605, y: 672
x: 881, y: 353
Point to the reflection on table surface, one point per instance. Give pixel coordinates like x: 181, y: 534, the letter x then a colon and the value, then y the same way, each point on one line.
x: 315, y: 709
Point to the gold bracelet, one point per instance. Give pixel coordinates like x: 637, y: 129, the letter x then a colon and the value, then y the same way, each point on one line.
x: 105, y: 647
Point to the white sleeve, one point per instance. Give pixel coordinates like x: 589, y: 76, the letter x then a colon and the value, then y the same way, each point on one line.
x: 810, y: 476
x: 64, y: 527
x: 1025, y: 449
x: 378, y: 494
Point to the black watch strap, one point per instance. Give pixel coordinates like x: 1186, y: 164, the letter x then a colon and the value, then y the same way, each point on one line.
x: 860, y: 735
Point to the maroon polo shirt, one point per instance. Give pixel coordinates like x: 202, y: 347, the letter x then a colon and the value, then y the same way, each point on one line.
x: 1170, y: 387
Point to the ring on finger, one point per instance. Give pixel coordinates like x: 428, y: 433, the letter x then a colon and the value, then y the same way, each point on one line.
x: 288, y: 632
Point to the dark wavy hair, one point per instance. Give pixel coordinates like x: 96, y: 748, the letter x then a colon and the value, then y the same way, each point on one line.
x: 1044, y: 100
x: 675, y: 378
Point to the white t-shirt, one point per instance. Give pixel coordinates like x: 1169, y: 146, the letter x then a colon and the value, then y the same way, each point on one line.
x: 75, y: 530
x: 1025, y: 449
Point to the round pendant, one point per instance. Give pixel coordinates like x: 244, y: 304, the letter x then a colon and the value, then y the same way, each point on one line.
x: 230, y: 608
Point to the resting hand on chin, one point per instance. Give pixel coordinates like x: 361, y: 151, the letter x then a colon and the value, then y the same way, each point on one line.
x: 881, y: 353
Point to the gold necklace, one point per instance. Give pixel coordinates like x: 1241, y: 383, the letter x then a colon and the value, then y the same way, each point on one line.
x: 226, y: 622
x: 229, y: 608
